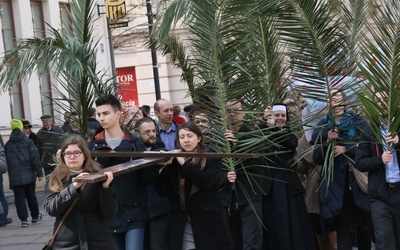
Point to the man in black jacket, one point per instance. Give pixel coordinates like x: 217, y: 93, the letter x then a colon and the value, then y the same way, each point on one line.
x: 48, y: 142
x: 245, y: 192
x: 128, y: 226
x: 159, y: 207
x: 382, y: 165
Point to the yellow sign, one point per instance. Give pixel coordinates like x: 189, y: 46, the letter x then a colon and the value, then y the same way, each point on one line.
x: 115, y: 9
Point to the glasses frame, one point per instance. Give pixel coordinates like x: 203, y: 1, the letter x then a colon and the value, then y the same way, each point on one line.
x: 76, y: 153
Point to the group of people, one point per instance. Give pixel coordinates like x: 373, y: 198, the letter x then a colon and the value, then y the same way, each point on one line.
x: 197, y: 203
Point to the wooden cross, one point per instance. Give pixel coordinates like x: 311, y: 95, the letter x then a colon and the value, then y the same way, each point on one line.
x: 155, y: 157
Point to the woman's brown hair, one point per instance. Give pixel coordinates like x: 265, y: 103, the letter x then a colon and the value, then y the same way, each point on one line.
x: 61, y: 172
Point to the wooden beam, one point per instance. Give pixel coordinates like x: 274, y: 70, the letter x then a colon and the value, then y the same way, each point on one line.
x: 153, y: 154
x: 150, y: 158
x: 120, y: 169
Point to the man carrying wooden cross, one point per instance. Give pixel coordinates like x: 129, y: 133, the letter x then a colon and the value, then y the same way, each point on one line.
x: 128, y: 227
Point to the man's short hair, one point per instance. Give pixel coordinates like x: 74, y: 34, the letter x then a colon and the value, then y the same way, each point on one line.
x: 234, y: 101
x: 92, y: 112
x: 110, y: 100
x: 157, y: 104
x: 188, y: 108
x: 145, y: 109
x: 139, y: 122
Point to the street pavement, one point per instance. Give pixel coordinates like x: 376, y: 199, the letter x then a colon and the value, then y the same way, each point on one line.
x: 35, y: 236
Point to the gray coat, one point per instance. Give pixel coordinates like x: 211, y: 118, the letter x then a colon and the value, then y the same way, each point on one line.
x: 23, y: 159
x: 3, y: 161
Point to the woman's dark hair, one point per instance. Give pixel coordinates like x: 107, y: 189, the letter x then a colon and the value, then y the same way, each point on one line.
x: 193, y: 128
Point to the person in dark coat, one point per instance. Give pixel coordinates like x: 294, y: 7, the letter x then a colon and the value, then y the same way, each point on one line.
x: 28, y: 131
x: 128, y: 226
x: 242, y: 198
x: 285, y: 214
x: 4, y: 219
x: 86, y: 226
x: 382, y: 164
x: 156, y: 235
x: 93, y: 123
x: 343, y: 205
x: 23, y: 168
x: 48, y: 142
x: 197, y: 218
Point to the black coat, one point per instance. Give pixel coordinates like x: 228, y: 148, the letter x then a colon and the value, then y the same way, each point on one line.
x: 285, y: 149
x: 208, y: 220
x: 86, y: 226
x: 248, y: 183
x: 332, y: 194
x: 369, y: 159
x: 129, y: 187
x: 48, y: 142
x: 23, y: 159
x: 156, y: 204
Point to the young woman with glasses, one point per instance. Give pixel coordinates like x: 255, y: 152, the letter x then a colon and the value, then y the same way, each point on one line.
x: 86, y: 226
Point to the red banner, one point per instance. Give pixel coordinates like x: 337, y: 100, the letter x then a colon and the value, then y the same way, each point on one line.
x: 127, y: 87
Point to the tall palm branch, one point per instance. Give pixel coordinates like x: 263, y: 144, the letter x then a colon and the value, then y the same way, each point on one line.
x: 229, y: 60
x: 381, y: 67
x: 321, y: 53
x: 69, y: 55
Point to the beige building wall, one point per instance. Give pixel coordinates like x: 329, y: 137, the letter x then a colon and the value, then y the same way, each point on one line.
x: 130, y: 51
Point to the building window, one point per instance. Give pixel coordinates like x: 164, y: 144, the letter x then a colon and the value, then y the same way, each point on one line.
x: 8, y: 32
x: 66, y: 23
x: 45, y: 83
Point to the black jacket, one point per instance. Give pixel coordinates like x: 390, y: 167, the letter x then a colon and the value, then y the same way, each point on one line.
x: 369, y: 159
x: 248, y: 184
x: 333, y: 194
x: 208, y: 220
x: 283, y: 151
x: 48, y: 142
x: 129, y: 187
x: 23, y: 159
x: 156, y: 204
x: 86, y: 225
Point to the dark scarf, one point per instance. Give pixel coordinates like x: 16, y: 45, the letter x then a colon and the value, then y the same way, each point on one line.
x: 200, y: 163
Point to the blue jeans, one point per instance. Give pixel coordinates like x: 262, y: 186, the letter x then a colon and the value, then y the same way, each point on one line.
x: 131, y: 240
x: 3, y: 201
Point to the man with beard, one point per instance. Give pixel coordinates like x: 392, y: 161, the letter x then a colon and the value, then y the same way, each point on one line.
x: 159, y: 207
x: 241, y: 193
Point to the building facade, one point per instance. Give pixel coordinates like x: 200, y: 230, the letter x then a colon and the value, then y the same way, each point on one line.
x: 22, y: 19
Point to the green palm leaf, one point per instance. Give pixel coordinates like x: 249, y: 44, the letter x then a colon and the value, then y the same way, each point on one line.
x: 69, y: 56
x: 381, y: 68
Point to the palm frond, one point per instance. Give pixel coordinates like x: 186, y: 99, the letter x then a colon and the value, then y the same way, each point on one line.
x: 69, y: 56
x: 381, y: 67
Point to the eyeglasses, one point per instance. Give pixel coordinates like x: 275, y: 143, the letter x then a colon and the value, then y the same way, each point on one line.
x: 76, y: 153
x: 198, y: 121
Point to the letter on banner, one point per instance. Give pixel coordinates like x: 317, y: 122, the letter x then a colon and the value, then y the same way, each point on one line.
x: 115, y: 9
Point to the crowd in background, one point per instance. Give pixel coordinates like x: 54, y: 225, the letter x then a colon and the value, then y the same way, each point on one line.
x: 282, y: 200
